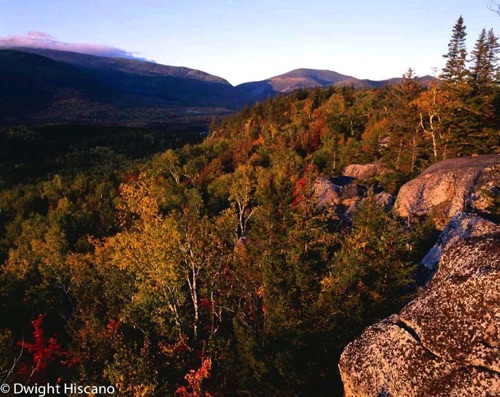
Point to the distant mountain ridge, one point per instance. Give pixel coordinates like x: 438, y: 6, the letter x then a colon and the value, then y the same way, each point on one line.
x: 62, y: 87
x: 293, y: 80
x: 309, y: 78
x: 126, y: 65
x: 49, y: 86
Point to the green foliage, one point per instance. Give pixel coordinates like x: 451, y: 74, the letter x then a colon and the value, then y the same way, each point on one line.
x: 493, y: 207
x: 217, y: 255
x: 456, y: 59
x: 470, y: 115
x: 371, y: 274
x: 132, y: 369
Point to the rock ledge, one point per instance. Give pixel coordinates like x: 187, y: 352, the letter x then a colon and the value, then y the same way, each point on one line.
x: 443, y: 343
x: 450, y: 186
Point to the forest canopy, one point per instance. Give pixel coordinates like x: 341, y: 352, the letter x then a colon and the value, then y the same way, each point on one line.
x: 209, y: 268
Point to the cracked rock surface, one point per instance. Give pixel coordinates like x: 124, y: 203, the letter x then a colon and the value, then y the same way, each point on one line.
x: 443, y: 343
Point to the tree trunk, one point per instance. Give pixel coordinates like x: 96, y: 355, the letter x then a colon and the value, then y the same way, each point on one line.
x: 400, y: 151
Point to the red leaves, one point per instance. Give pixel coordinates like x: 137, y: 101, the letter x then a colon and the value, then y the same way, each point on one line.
x: 298, y: 193
x: 181, y: 347
x: 45, y: 351
x: 112, y: 327
x: 206, y: 303
x: 131, y: 177
x: 195, y: 379
x: 304, y: 184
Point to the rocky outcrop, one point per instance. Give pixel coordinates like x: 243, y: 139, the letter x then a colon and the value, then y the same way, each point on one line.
x: 364, y: 171
x: 389, y: 361
x: 338, y: 191
x: 345, y: 194
x: 461, y: 226
x: 446, y: 341
x: 385, y: 200
x: 451, y: 186
x: 326, y: 193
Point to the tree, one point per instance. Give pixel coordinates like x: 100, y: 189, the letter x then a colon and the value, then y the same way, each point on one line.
x: 430, y: 105
x: 483, y: 83
x: 402, y: 113
x: 493, y: 56
x: 370, y: 275
x: 484, y: 59
x: 455, y: 70
x: 480, y: 70
x: 240, y: 195
x: 47, y: 355
x: 194, y: 379
x: 458, y: 123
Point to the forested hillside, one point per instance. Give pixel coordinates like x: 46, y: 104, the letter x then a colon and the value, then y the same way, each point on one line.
x: 211, y: 269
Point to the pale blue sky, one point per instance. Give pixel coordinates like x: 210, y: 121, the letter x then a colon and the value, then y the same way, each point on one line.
x: 252, y: 40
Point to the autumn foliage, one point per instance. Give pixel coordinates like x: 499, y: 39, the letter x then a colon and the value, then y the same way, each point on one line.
x: 46, y: 353
x: 195, y: 379
x: 210, y: 269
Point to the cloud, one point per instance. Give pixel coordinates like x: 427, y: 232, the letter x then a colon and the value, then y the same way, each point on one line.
x: 44, y: 40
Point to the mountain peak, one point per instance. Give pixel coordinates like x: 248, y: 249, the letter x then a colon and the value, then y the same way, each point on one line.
x: 52, y: 85
x: 317, y: 74
x: 294, y: 80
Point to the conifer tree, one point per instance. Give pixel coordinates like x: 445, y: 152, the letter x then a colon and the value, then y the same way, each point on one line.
x: 480, y: 69
x: 458, y: 122
x: 455, y: 69
x: 484, y: 58
x: 402, y: 113
x: 493, y: 57
x: 483, y: 84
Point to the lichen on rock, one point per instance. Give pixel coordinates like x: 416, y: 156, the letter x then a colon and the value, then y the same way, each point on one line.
x: 461, y: 226
x: 451, y: 186
x: 443, y: 343
x: 364, y: 171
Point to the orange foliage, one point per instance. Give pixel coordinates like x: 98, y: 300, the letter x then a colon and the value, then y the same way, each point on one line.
x: 258, y: 141
x: 195, y: 379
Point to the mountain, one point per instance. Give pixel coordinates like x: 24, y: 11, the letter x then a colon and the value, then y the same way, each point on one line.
x: 30, y: 84
x: 50, y: 86
x: 125, y: 65
x: 308, y: 78
x: 296, y: 79
x: 54, y: 86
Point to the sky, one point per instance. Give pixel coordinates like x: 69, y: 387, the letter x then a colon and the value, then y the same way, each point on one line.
x: 251, y: 40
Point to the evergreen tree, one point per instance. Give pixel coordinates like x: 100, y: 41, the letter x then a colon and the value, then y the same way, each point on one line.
x: 484, y: 58
x: 458, y: 122
x: 455, y: 69
x: 480, y: 70
x: 483, y: 89
x: 493, y: 57
x: 402, y: 113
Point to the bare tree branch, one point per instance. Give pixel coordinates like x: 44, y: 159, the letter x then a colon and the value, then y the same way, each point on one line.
x: 494, y: 6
